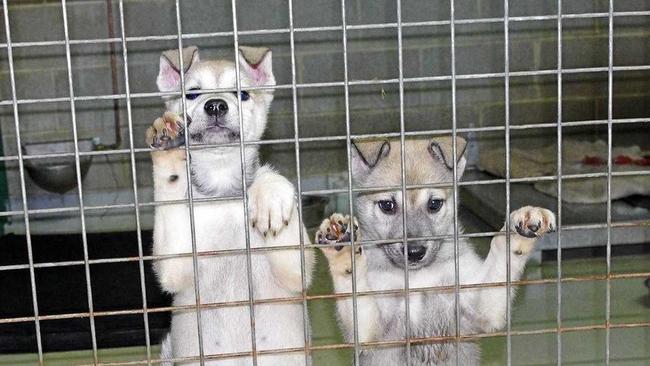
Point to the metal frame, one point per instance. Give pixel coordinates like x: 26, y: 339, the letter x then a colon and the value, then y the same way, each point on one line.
x: 294, y: 86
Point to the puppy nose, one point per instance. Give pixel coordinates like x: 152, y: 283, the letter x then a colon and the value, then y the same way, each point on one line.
x: 216, y: 107
x: 416, y: 252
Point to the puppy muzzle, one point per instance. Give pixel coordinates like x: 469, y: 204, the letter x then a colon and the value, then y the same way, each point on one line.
x: 216, y: 108
x: 415, y: 252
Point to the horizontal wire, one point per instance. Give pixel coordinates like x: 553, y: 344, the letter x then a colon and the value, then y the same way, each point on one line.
x: 389, y: 343
x: 198, y: 147
x: 172, y: 37
x: 342, y: 295
x: 44, y: 211
x: 363, y: 243
x: 491, y: 75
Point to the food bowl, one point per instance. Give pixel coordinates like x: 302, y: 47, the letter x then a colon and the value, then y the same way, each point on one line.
x: 57, y: 174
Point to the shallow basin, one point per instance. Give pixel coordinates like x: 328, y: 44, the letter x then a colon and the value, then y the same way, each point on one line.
x: 57, y: 174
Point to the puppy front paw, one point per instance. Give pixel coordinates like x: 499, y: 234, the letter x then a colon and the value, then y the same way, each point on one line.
x: 166, y: 132
x: 271, y: 203
x: 337, y: 229
x: 530, y: 223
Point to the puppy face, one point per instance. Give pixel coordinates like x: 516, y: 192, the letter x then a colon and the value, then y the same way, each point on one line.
x: 429, y: 211
x: 213, y: 118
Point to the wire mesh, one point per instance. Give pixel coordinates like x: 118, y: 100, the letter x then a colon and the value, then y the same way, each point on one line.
x: 294, y: 87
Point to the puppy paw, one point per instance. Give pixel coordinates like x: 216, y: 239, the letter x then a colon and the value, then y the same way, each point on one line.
x: 529, y: 223
x: 166, y: 132
x: 337, y: 229
x: 271, y: 200
x: 532, y: 222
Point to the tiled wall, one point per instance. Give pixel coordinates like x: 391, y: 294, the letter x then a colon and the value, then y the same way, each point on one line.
x: 372, y: 54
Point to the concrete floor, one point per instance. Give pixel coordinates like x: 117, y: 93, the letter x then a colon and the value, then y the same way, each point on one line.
x: 583, y: 304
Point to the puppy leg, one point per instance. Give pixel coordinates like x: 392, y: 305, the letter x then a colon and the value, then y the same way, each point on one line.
x: 274, y: 222
x: 171, y: 222
x: 164, y: 136
x: 337, y: 230
x: 527, y: 224
x: 271, y: 202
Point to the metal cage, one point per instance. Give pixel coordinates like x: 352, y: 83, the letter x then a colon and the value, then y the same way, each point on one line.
x: 124, y: 42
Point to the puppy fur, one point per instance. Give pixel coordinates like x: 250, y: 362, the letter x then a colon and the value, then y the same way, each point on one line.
x: 213, y: 118
x: 430, y: 263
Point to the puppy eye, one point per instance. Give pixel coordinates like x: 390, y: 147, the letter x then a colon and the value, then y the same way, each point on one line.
x: 387, y: 206
x: 244, y: 96
x: 435, y: 205
x: 192, y: 96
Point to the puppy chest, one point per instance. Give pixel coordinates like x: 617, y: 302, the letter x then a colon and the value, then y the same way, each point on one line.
x: 220, y: 225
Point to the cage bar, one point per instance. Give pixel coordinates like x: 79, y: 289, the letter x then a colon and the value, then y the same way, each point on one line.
x: 93, y: 331
x: 558, y: 315
x: 249, y: 265
x: 136, y: 206
x: 506, y: 77
x: 296, y: 143
x: 23, y: 191
x: 610, y: 156
x: 190, y: 198
x: 348, y: 140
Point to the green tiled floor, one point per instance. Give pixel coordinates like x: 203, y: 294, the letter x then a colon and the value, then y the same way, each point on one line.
x: 583, y: 304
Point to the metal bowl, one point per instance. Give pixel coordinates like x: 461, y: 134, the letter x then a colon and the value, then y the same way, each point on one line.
x: 57, y: 174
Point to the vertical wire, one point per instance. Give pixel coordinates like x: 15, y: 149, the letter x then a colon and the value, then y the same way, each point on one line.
x: 23, y: 190
x: 296, y: 135
x: 558, y: 315
x: 348, y: 145
x: 610, y: 82
x: 249, y: 264
x: 84, y: 237
x: 190, y: 195
x: 407, y: 307
x: 127, y: 90
x: 454, y: 121
x: 507, y: 143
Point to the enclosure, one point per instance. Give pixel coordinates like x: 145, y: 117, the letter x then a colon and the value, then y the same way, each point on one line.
x: 567, y: 82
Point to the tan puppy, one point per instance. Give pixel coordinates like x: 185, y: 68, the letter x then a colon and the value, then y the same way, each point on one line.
x: 430, y: 262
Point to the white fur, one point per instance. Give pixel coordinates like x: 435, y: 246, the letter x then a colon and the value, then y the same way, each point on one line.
x: 220, y: 225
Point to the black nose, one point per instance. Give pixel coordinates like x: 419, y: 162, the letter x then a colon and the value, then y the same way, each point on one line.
x: 216, y: 107
x: 416, y: 252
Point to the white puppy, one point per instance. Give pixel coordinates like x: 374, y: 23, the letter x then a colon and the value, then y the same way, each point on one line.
x: 213, y: 118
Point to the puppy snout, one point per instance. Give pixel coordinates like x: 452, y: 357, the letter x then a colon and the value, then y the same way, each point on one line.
x: 416, y: 252
x: 216, y: 107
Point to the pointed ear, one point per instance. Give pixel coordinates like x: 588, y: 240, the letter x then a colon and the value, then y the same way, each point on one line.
x: 256, y: 64
x: 365, y: 155
x: 441, y: 149
x: 169, y: 74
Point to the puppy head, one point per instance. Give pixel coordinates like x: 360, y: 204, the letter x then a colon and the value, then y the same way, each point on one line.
x: 214, y: 117
x: 429, y: 211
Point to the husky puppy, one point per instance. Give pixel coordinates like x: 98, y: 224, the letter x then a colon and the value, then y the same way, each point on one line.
x: 430, y: 263
x: 213, y: 118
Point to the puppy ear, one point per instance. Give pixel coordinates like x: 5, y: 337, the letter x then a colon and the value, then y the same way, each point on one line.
x: 169, y: 74
x: 365, y: 155
x: 256, y: 64
x: 441, y: 149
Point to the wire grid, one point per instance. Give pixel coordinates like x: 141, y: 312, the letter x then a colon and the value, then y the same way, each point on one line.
x: 350, y: 190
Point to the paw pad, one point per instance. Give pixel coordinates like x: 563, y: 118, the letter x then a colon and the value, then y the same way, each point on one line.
x: 166, y: 132
x: 532, y: 222
x: 336, y: 229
